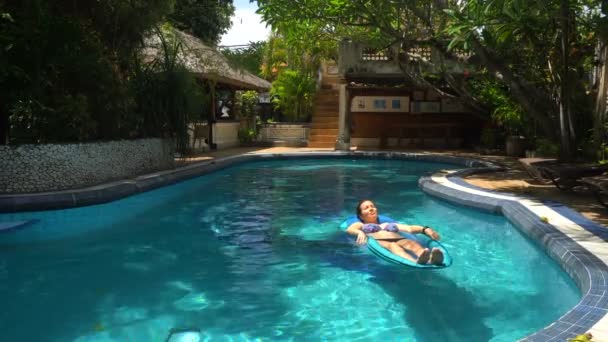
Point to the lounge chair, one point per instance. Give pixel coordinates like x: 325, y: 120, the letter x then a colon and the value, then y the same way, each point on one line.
x: 567, y: 176
x: 599, y: 186
x: 531, y: 166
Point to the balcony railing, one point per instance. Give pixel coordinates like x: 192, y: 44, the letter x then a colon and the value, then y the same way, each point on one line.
x: 356, y: 57
x: 371, y: 54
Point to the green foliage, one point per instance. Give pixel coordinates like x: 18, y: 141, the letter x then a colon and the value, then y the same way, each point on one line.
x: 247, y: 135
x: 488, y: 137
x: 65, y: 67
x: 505, y: 113
x: 71, y: 71
x: 546, y: 148
x: 293, y: 93
x: 166, y: 94
x: 250, y: 58
x: 296, y: 53
x: 65, y: 70
x: 516, y: 43
x: 509, y: 115
x: 207, y: 20
x: 250, y: 123
x: 249, y: 104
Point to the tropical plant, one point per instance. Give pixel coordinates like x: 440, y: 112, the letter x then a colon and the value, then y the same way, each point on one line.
x: 67, y: 65
x: 249, y: 58
x: 293, y: 93
x: 247, y: 101
x: 166, y: 93
x: 505, y: 113
x: 246, y: 135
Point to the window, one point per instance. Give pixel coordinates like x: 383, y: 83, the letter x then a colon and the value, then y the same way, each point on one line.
x: 379, y: 104
x: 396, y: 104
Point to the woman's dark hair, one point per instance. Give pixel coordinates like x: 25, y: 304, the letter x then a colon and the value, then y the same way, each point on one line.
x: 358, y: 209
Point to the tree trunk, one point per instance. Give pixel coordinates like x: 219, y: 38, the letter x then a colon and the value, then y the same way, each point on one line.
x: 599, y: 110
x: 535, y: 104
x: 566, y: 150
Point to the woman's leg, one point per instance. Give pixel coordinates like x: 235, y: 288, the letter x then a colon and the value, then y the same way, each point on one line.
x: 400, y: 248
x: 412, y: 246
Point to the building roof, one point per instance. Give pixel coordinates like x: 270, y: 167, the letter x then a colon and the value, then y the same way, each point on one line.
x: 208, y: 62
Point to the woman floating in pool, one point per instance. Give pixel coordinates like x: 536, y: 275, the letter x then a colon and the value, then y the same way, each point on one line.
x: 387, y: 235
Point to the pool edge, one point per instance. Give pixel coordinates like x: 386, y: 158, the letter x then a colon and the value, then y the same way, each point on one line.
x: 570, y: 239
x: 560, y: 236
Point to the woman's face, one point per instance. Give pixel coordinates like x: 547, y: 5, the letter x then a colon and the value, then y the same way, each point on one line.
x: 369, y: 213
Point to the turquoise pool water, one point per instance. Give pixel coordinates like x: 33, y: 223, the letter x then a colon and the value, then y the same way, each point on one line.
x: 253, y: 252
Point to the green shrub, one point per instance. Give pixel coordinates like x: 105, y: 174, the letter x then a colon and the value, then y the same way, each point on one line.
x: 246, y: 135
x: 293, y: 93
x: 546, y: 148
x: 488, y: 137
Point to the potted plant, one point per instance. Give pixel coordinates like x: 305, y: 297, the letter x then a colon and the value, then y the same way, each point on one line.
x: 510, y: 116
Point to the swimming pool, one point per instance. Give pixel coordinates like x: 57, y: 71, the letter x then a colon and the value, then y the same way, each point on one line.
x: 253, y: 251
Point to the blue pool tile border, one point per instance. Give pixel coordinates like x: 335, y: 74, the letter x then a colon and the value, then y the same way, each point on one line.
x: 588, y: 271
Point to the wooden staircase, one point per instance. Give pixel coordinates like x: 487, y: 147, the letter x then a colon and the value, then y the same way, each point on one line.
x: 324, y: 125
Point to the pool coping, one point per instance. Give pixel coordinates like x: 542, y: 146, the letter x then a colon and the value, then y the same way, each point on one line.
x: 112, y: 191
x: 575, y: 242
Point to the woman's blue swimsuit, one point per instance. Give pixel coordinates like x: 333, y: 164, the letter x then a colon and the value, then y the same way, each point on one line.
x: 375, y: 247
x: 369, y: 228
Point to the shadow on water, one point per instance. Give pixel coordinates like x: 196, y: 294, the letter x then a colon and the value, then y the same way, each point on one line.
x: 436, y: 308
x: 232, y: 279
x: 239, y: 275
x: 433, y: 302
x: 446, y: 313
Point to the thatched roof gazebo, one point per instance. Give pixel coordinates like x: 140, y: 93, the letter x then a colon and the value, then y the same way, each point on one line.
x: 211, y: 64
x: 223, y: 78
x: 206, y: 62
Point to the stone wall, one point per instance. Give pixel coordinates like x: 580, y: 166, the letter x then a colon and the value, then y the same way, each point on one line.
x: 292, y: 134
x: 40, y: 168
x: 225, y: 134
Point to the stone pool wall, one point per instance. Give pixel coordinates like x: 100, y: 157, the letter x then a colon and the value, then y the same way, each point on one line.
x: 53, y: 167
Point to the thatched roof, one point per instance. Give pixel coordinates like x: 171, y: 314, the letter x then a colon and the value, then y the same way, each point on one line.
x: 208, y: 62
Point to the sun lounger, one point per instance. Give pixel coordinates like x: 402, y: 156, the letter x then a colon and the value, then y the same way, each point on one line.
x: 531, y: 166
x: 599, y: 186
x: 567, y: 176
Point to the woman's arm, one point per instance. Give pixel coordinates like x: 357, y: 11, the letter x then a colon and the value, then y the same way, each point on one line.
x: 417, y: 229
x: 356, y: 229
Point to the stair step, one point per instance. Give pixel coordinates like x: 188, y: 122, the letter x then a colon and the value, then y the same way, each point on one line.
x: 327, y: 99
x: 331, y: 105
x: 327, y: 102
x: 325, y: 114
x: 318, y: 144
x: 324, y: 125
x: 323, y: 131
x: 327, y: 93
x: 288, y: 143
x: 324, y: 119
x: 325, y: 138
